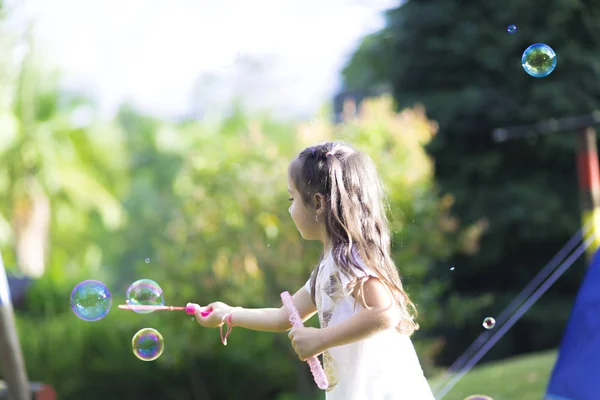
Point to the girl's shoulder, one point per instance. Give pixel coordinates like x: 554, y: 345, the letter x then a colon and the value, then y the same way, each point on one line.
x: 355, y: 270
x: 360, y: 270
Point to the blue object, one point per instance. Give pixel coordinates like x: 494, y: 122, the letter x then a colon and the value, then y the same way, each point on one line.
x: 575, y: 375
x: 17, y: 292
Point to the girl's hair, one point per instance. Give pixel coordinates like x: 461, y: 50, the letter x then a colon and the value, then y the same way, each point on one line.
x: 355, y: 217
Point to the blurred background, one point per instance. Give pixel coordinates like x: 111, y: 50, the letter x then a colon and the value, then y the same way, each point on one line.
x: 143, y: 130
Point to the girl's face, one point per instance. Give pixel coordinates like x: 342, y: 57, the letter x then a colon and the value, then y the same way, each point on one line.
x: 304, y: 216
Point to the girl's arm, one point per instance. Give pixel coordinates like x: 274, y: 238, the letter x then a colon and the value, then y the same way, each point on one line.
x: 261, y: 319
x: 382, y: 315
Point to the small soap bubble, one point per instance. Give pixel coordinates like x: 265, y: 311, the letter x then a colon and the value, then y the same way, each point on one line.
x: 511, y: 29
x: 539, y: 60
x: 91, y: 300
x: 147, y: 260
x: 451, y: 268
x: 145, y: 292
x: 489, y: 323
x: 148, y: 344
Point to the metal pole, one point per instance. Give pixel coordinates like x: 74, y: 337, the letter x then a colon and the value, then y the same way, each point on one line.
x: 13, y: 365
x: 588, y: 172
x: 562, y: 125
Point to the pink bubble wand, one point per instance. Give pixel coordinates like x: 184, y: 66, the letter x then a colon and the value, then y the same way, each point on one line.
x: 189, y: 309
x: 313, y: 362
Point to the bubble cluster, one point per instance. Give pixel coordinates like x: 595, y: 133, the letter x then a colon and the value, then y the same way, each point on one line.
x: 489, y: 323
x: 147, y: 344
x: 539, y: 60
x: 145, y: 292
x: 511, y: 29
x: 91, y: 300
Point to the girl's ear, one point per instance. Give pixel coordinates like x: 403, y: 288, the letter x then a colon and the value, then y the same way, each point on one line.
x: 319, y: 202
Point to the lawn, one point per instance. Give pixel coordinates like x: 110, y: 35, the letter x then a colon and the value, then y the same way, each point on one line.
x: 518, y: 378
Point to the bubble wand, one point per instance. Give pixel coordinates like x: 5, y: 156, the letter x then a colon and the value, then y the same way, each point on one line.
x: 189, y: 309
x: 315, y: 366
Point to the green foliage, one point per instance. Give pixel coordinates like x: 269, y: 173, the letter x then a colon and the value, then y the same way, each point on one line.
x: 54, y: 173
x: 457, y: 59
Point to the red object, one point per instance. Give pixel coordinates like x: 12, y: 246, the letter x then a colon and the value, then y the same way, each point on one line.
x: 39, y: 391
x: 45, y: 392
x: 589, y: 175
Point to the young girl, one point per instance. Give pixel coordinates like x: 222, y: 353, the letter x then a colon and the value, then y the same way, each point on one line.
x: 366, y: 317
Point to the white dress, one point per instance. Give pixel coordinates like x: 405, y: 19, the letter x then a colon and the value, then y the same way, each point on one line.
x: 382, y: 367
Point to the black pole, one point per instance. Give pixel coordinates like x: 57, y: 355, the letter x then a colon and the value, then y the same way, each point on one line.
x: 569, y: 124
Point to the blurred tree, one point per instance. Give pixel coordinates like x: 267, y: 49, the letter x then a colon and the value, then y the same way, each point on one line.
x: 458, y: 60
x: 150, y: 168
x: 52, y: 166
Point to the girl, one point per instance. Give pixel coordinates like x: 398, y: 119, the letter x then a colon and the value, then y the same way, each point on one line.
x: 366, y: 317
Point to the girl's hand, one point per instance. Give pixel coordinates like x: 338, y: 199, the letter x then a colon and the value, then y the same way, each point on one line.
x: 217, y: 311
x: 307, y: 342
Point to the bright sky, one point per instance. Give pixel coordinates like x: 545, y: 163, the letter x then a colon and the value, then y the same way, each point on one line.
x: 153, y: 52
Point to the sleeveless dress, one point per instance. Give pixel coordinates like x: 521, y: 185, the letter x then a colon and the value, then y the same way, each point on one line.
x: 384, y: 366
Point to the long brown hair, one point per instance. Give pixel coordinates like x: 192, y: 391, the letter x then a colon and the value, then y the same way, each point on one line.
x: 355, y: 217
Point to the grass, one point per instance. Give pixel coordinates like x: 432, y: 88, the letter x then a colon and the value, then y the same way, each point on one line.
x: 518, y: 378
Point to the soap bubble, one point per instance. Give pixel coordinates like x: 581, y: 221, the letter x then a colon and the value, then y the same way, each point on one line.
x: 148, y: 344
x: 511, y: 29
x: 451, y: 268
x: 145, y: 292
x: 539, y: 60
x: 479, y: 397
x: 489, y: 323
x: 91, y: 300
x: 147, y: 260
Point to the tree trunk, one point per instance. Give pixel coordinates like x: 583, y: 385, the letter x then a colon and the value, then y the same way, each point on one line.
x: 31, y: 225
